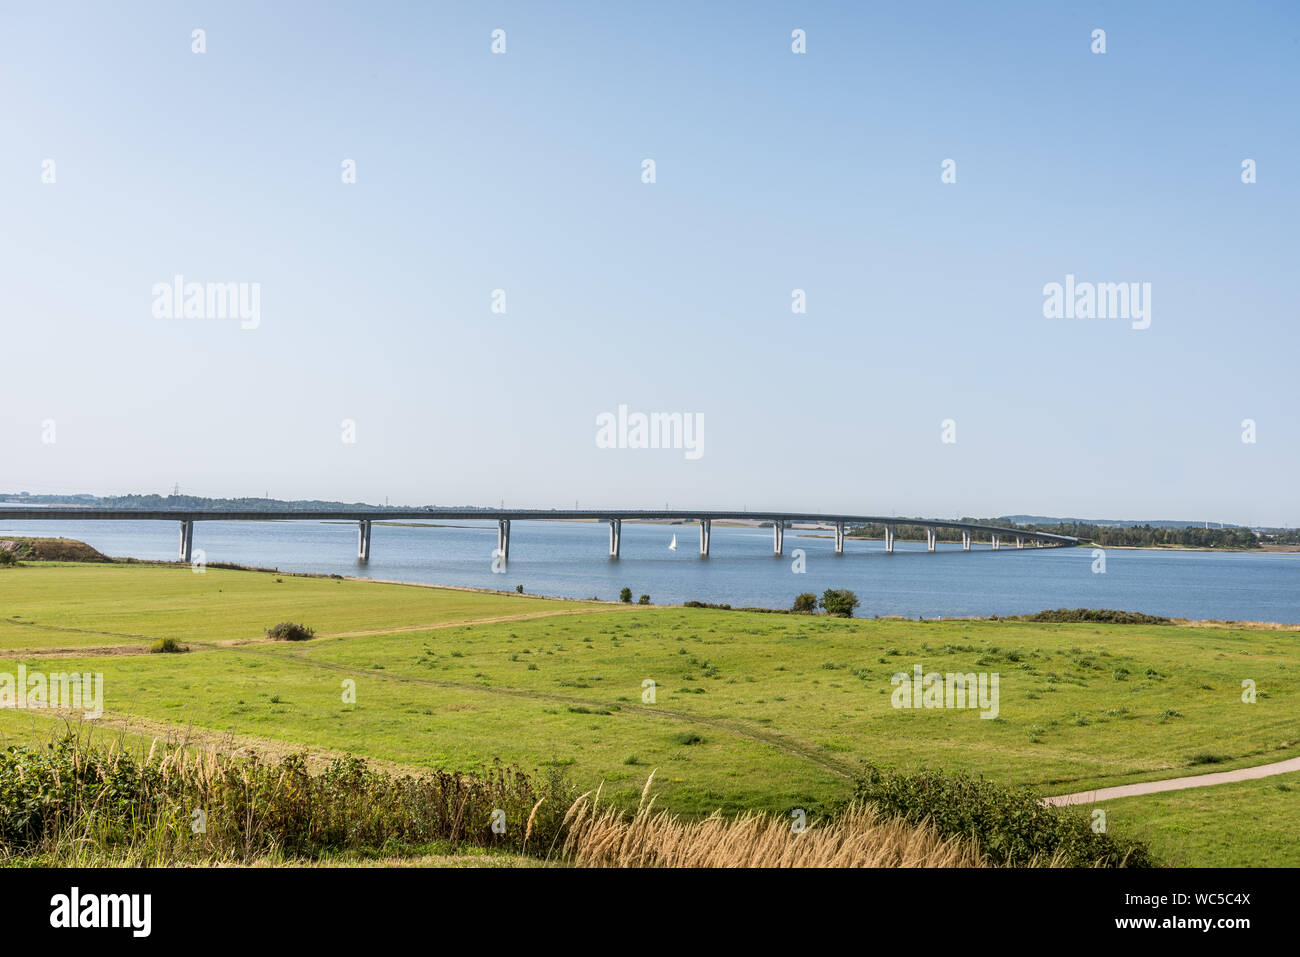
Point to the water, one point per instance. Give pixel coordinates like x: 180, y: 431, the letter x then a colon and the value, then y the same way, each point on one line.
x: 570, y: 559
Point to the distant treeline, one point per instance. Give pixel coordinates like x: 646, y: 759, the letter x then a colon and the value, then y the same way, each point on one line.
x: 1281, y: 536
x: 904, y: 533
x: 158, y: 502
x: 1146, y: 536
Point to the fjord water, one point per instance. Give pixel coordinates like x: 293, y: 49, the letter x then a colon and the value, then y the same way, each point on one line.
x: 570, y: 559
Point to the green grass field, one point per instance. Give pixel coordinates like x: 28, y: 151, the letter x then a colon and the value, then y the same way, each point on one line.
x: 750, y: 710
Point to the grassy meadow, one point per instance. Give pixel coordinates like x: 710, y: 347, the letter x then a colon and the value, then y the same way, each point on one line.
x: 750, y: 712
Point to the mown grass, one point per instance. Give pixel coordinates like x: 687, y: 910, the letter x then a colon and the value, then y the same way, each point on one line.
x: 750, y: 711
x: 75, y: 605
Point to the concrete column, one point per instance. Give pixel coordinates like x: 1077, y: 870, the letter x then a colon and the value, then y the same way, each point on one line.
x: 187, y: 541
x: 1020, y: 542
x: 706, y: 528
x: 615, y: 537
x: 965, y: 539
x: 503, y: 538
x: 839, y: 538
x: 778, y: 537
x: 931, y: 535
x: 363, y: 540
x: 889, y: 539
x: 995, y: 542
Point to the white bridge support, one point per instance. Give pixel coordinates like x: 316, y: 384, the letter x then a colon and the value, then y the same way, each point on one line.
x: 995, y: 541
x: 615, y: 537
x: 363, y: 540
x: 839, y: 538
x: 1020, y: 542
x: 778, y: 537
x: 706, y: 528
x: 889, y: 539
x: 187, y: 541
x: 965, y: 539
x: 503, y: 539
x: 931, y: 536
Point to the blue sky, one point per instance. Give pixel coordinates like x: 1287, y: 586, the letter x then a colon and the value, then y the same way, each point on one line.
x: 774, y: 171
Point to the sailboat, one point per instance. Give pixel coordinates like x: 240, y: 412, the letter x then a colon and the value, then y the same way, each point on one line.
x: 672, y: 546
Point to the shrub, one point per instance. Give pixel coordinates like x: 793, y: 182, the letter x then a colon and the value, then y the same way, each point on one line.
x: 839, y: 602
x: 1107, y: 615
x: 289, y: 631
x: 7, y: 557
x: 625, y: 595
x: 520, y: 589
x: 1009, y: 825
x: 643, y: 600
x: 167, y: 646
x: 67, y: 798
x: 805, y: 603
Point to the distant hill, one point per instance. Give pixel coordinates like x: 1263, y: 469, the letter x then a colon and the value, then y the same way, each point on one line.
x: 1112, y: 522
x: 154, y: 502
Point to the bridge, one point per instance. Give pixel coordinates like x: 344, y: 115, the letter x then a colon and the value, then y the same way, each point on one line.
x: 615, y: 517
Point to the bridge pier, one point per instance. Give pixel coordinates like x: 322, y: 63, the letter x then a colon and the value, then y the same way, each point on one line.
x: 706, y: 528
x: 615, y: 537
x: 187, y: 541
x: 363, y: 540
x: 995, y: 541
x: 778, y: 537
x: 889, y: 539
x: 931, y: 536
x: 1020, y: 542
x: 965, y: 539
x: 839, y: 538
x: 503, y: 538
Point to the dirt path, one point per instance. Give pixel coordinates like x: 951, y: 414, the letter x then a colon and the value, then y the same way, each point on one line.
x: 1177, y: 784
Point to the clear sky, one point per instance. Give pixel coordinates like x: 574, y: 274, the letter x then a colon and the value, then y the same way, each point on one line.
x: 774, y: 171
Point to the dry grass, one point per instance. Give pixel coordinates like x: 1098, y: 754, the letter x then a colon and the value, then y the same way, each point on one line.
x: 860, y: 837
x: 1227, y: 623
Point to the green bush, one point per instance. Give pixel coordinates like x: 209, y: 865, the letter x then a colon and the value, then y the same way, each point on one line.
x: 805, y: 603
x: 7, y: 557
x: 625, y: 595
x: 839, y: 602
x: 167, y: 646
x: 1107, y: 615
x: 643, y: 600
x: 289, y: 631
x: 70, y: 799
x: 1009, y: 825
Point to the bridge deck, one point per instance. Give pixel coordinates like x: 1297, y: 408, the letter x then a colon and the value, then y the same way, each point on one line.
x: 536, y: 514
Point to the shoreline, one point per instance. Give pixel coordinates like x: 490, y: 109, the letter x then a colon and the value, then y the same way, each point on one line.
x: 1018, y: 618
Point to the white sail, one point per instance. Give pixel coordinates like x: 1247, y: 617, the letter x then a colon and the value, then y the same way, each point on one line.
x: 672, y: 546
